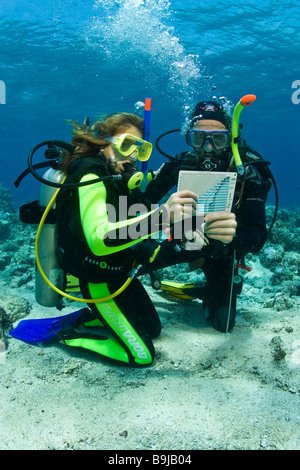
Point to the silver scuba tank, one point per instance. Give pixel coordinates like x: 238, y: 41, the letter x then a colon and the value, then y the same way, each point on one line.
x: 44, y: 294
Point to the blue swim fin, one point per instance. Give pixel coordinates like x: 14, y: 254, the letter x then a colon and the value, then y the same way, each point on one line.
x: 38, y: 331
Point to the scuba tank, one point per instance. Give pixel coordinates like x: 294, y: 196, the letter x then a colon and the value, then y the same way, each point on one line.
x: 44, y: 294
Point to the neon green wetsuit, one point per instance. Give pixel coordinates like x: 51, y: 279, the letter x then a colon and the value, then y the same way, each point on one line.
x: 101, y: 260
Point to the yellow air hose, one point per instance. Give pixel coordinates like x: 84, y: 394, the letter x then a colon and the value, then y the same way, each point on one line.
x: 64, y: 294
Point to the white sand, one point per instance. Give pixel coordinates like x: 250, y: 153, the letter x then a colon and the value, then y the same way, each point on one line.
x: 206, y: 390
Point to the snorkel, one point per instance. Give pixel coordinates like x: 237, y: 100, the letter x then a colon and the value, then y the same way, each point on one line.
x: 146, y: 137
x: 246, y: 100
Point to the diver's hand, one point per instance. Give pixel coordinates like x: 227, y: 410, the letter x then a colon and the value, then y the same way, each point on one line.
x: 117, y: 165
x: 220, y: 226
x: 181, y: 205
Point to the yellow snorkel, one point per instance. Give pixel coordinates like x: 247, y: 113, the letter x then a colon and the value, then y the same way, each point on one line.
x: 246, y: 100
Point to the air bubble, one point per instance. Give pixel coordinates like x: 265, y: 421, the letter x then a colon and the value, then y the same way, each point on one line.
x: 138, y: 105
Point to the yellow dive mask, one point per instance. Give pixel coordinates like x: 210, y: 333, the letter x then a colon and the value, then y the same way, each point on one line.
x: 126, y: 144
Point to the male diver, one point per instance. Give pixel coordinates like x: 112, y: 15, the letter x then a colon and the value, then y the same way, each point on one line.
x: 209, y: 136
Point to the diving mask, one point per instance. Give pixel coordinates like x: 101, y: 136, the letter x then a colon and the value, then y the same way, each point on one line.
x: 127, y: 144
x: 196, y: 138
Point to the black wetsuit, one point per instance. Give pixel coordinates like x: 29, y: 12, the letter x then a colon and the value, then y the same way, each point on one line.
x: 250, y: 236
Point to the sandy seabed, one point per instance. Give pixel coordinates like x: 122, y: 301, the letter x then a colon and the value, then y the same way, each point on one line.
x: 205, y: 391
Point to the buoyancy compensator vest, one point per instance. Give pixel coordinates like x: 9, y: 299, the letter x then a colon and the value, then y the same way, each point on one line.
x: 74, y: 254
x: 32, y: 213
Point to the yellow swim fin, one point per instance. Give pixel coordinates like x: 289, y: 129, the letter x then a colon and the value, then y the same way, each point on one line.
x: 183, y: 290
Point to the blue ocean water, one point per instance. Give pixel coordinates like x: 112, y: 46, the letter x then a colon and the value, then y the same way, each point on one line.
x: 68, y: 59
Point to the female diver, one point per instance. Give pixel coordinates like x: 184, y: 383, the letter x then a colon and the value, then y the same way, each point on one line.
x: 99, y: 242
